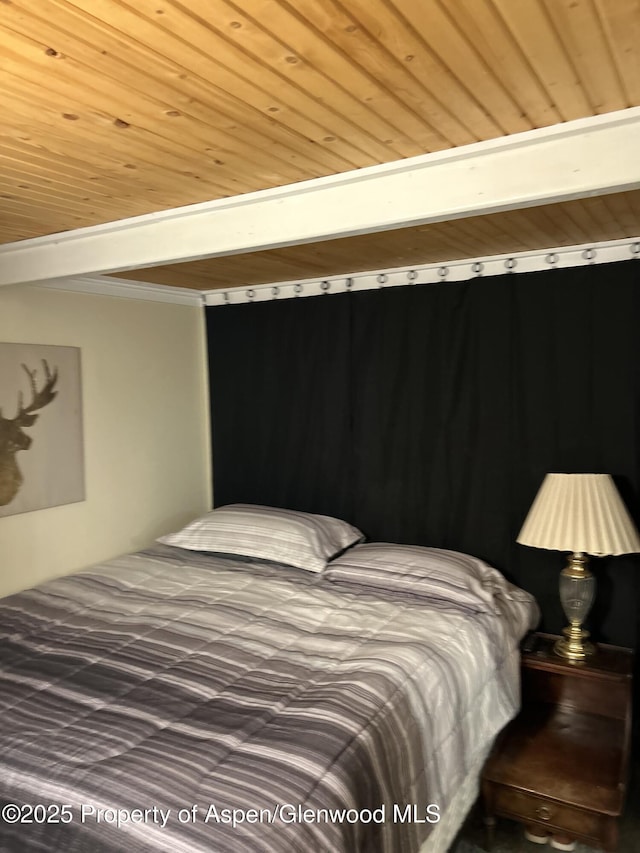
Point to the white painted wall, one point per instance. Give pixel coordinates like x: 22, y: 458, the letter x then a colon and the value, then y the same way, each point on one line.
x: 146, y: 431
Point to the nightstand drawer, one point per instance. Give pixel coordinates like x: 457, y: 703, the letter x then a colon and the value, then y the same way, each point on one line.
x: 529, y: 808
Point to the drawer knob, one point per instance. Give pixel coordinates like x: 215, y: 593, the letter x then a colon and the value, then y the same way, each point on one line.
x: 543, y: 813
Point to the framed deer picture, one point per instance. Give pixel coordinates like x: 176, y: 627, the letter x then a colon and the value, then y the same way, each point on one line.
x: 41, y: 443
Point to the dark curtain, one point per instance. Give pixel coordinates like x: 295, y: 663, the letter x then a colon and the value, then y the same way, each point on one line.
x: 281, y: 404
x: 431, y: 413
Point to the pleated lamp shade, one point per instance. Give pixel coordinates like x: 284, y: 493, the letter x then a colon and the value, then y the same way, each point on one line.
x: 580, y: 513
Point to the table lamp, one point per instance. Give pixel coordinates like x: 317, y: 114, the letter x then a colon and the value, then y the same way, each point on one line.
x: 583, y: 514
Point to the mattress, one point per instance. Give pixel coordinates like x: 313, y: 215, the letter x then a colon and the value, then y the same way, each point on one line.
x: 171, y: 700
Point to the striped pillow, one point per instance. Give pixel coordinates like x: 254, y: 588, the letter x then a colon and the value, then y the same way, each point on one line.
x: 284, y: 536
x: 427, y: 573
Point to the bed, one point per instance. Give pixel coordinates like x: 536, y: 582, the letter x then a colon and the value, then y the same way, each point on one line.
x: 189, y: 699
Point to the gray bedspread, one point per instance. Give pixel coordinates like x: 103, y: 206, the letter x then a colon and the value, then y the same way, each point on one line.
x: 177, y: 701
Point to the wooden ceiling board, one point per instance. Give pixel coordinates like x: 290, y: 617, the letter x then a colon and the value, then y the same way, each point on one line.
x: 130, y: 68
x: 193, y: 44
x: 580, y: 30
x: 375, y: 38
x: 486, y: 29
x: 173, y: 151
x: 570, y: 223
x: 117, y: 108
x: 536, y: 33
x: 621, y: 24
x: 442, y: 34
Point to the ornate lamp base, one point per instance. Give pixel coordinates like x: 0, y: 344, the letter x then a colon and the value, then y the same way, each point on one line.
x: 577, y: 591
x: 573, y: 645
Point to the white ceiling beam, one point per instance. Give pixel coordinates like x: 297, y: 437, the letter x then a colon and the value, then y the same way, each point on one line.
x: 576, y: 159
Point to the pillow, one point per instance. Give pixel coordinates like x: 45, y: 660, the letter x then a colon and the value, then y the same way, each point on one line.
x: 426, y: 573
x: 284, y: 536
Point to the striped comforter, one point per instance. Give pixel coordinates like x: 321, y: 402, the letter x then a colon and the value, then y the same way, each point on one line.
x: 183, y: 702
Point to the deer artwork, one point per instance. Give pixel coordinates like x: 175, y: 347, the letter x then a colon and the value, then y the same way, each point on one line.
x: 12, y: 435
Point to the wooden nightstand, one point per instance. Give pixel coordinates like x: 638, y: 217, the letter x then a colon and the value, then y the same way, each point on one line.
x: 562, y: 764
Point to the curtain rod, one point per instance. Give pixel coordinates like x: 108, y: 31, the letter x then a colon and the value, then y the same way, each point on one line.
x: 444, y: 271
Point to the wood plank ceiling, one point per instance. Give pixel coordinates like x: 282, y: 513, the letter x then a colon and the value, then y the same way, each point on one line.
x: 114, y: 108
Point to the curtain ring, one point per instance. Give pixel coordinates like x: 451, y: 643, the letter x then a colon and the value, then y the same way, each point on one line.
x: 382, y: 279
x: 635, y: 250
x: 443, y: 272
x: 477, y: 268
x: 348, y: 283
x: 589, y: 255
x: 250, y: 294
x: 225, y: 296
x: 275, y: 291
x: 325, y: 286
x: 552, y: 258
x: 412, y: 275
x: 511, y: 264
x: 297, y: 289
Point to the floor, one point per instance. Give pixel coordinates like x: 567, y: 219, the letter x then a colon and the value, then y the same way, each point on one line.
x: 509, y: 837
